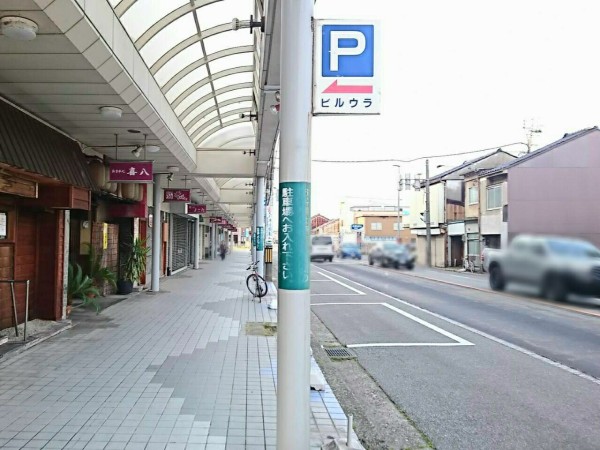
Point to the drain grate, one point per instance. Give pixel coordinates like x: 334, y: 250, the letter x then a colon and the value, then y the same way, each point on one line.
x: 339, y: 352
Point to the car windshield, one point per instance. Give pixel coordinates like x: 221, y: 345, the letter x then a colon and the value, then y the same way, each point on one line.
x: 573, y: 249
x: 392, y: 246
x: 321, y: 240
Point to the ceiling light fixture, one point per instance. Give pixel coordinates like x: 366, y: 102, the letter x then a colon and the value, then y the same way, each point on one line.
x: 152, y: 148
x: 173, y: 168
x: 136, y: 152
x: 275, y: 109
x: 111, y: 112
x: 277, y: 96
x: 18, y: 28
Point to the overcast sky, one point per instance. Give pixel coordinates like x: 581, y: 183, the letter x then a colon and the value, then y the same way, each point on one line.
x: 458, y: 76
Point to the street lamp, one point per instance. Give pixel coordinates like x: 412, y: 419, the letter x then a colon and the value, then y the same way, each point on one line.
x: 398, y: 207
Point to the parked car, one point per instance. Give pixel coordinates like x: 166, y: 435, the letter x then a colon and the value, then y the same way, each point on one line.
x: 392, y: 254
x: 321, y: 248
x: 349, y: 250
x: 558, y: 266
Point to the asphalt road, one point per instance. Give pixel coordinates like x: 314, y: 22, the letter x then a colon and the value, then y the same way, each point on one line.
x: 474, y: 370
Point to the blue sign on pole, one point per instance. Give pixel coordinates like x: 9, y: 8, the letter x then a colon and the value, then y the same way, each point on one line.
x: 348, y: 50
x: 356, y: 226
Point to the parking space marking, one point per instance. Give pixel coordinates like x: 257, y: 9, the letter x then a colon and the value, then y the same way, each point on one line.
x: 458, y: 341
x: 341, y: 284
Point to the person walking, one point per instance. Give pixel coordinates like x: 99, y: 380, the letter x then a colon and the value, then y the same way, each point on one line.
x: 222, y: 250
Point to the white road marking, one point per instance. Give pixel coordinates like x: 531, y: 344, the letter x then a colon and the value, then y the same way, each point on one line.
x: 458, y: 340
x: 541, y: 358
x: 336, y: 295
x: 341, y: 284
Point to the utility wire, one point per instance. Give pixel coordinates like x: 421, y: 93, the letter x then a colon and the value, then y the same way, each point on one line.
x: 415, y: 159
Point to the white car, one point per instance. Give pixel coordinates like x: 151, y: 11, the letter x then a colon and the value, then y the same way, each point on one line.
x: 321, y: 248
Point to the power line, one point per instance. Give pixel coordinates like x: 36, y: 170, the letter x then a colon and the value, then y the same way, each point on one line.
x: 415, y: 159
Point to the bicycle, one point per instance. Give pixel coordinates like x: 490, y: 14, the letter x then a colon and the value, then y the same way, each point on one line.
x: 255, y: 283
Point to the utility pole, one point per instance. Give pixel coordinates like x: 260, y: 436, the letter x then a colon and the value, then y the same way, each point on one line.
x: 427, y: 215
x: 398, y: 208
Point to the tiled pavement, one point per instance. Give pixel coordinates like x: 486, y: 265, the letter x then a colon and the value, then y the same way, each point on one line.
x: 174, y: 370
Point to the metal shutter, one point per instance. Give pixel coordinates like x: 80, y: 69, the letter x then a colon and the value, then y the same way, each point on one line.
x: 181, y: 246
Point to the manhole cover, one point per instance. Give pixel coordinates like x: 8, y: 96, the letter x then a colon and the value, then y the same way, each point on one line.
x: 338, y: 352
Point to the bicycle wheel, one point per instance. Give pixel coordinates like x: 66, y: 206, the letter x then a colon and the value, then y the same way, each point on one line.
x: 256, y: 285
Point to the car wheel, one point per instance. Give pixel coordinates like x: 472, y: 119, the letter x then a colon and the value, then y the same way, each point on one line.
x: 555, y: 289
x: 497, y: 281
x: 331, y: 259
x: 396, y: 265
x: 410, y: 266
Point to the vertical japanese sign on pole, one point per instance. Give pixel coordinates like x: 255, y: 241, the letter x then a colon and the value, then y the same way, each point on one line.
x: 260, y: 225
x: 293, y: 342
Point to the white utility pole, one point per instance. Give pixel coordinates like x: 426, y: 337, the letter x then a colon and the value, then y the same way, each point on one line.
x: 156, y: 234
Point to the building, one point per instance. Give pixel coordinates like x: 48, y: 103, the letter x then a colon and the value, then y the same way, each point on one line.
x: 317, y: 221
x: 551, y: 191
x: 447, y: 219
x: 379, y: 223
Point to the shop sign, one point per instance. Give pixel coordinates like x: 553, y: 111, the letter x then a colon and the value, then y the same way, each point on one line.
x: 177, y: 195
x: 193, y: 208
x: 130, y: 171
x: 216, y: 220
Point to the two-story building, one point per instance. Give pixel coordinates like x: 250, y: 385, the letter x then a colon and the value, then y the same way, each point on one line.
x: 450, y: 226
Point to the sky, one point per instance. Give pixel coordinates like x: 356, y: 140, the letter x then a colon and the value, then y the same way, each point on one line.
x: 458, y: 76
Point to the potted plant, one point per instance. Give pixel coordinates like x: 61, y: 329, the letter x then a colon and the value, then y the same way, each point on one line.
x: 82, y: 287
x: 134, y: 266
x: 100, y: 275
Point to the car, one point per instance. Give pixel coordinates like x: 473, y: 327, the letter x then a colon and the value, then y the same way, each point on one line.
x: 349, y: 250
x: 392, y: 254
x: 557, y: 266
x: 321, y: 248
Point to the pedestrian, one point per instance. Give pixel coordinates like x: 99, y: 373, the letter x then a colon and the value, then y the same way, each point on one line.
x: 222, y: 250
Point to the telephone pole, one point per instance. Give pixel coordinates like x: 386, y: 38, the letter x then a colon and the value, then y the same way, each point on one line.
x: 427, y: 216
x: 398, y: 206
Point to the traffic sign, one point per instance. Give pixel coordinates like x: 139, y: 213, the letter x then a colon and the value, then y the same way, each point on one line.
x: 346, y: 67
x: 356, y: 226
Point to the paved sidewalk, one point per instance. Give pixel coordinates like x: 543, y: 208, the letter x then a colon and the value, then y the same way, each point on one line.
x: 174, y: 370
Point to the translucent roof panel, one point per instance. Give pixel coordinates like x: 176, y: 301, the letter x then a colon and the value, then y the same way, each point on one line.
x: 241, y: 59
x: 192, y: 53
x: 233, y: 79
x: 205, y: 69
x: 145, y: 13
x: 227, y: 40
x: 168, y: 38
x: 232, y: 94
x: 224, y: 12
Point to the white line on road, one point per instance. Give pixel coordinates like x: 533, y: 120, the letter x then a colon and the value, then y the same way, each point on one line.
x: 458, y: 340
x: 482, y: 334
x: 335, y: 295
x: 342, y: 284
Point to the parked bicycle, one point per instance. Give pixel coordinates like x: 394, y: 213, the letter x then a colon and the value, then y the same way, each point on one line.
x: 255, y: 283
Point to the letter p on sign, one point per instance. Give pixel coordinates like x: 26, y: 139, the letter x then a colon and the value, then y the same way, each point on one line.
x: 348, y: 51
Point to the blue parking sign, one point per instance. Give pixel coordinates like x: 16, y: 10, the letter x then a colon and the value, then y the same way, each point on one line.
x: 348, y: 50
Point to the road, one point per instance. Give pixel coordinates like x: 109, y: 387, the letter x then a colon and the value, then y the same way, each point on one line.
x: 473, y: 369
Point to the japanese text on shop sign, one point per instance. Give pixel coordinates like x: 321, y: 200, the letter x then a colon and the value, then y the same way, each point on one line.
x: 130, y: 171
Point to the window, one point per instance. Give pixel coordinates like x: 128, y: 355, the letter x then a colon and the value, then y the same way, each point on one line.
x: 473, y: 195
x: 376, y: 226
x: 396, y: 225
x: 494, y: 197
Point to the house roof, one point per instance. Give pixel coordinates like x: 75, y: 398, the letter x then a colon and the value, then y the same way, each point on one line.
x: 568, y: 137
x: 464, y: 165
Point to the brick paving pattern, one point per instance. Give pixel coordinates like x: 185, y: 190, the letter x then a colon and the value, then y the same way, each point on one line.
x: 174, y: 370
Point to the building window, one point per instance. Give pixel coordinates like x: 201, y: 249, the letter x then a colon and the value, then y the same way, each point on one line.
x: 473, y: 195
x: 376, y: 226
x: 396, y: 226
x: 494, y: 197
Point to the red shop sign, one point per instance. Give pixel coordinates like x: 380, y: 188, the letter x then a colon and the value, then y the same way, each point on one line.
x: 216, y: 219
x: 193, y: 208
x: 130, y: 171
x: 177, y: 195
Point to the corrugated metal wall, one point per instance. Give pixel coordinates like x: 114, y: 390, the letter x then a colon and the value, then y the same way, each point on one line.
x: 181, y: 244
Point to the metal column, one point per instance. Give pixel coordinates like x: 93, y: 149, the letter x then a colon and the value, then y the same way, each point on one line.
x: 156, y: 235
x: 253, y: 239
x: 197, y: 243
x: 293, y: 342
x: 260, y: 225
